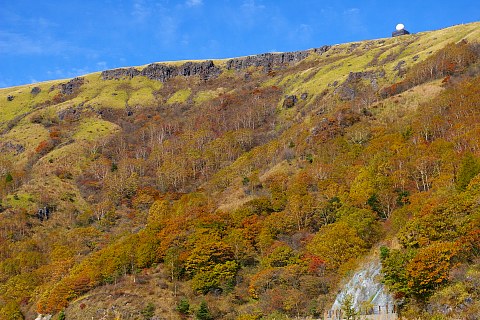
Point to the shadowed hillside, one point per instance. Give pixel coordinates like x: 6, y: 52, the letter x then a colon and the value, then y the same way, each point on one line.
x: 246, y: 188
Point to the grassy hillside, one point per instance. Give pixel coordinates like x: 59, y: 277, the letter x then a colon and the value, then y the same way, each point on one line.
x: 249, y: 187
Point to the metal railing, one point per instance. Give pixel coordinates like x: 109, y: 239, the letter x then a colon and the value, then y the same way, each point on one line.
x: 387, y: 312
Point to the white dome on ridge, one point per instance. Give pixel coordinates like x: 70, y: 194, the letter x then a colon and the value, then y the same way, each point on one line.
x: 400, y: 26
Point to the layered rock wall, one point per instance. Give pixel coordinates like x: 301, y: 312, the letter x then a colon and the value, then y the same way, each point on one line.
x: 208, y: 70
x: 163, y: 72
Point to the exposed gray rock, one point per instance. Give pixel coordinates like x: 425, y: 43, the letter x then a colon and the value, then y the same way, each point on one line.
x: 71, y: 86
x: 162, y: 72
x: 348, y: 90
x: 208, y: 70
x: 290, y: 101
x: 322, y: 49
x: 72, y: 113
x: 119, y: 73
x: 400, y: 68
x: 11, y: 147
x: 304, y: 96
x: 205, y: 70
x: 158, y: 71
x: 10, y: 98
x: 270, y: 61
x: 352, y: 47
x: 365, y: 286
x: 353, y: 76
x: 35, y: 91
x: 267, y: 61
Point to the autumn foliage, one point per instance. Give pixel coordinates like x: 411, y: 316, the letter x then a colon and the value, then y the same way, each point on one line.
x: 230, y: 197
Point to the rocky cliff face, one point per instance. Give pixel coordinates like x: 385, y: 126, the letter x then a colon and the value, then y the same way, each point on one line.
x: 119, y: 73
x: 162, y: 72
x: 208, y: 70
x: 365, y: 287
x: 71, y: 86
x: 269, y: 61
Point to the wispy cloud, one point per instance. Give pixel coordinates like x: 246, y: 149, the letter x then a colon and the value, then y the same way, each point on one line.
x: 17, y: 43
x: 248, y: 14
x: 167, y: 31
x: 250, y: 9
x: 302, y: 33
x: 101, y: 65
x: 351, y: 11
x: 194, y: 3
x: 141, y: 11
x: 60, y: 73
x: 353, y: 20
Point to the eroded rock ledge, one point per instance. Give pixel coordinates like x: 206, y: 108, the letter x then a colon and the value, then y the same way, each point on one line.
x: 163, y: 72
x: 271, y: 61
x: 207, y: 69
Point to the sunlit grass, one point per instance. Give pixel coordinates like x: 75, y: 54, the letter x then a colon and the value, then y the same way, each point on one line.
x: 181, y: 96
x: 93, y: 128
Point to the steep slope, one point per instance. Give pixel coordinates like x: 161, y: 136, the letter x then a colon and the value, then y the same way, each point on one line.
x: 254, y: 184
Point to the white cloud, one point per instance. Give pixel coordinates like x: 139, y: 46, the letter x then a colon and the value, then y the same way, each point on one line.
x: 12, y: 43
x: 301, y: 34
x: 59, y: 73
x: 194, y: 3
x: 17, y: 43
x: 352, y: 11
x: 353, y: 21
x: 140, y: 11
x: 250, y: 7
x: 167, y: 29
x: 248, y: 14
x: 101, y: 65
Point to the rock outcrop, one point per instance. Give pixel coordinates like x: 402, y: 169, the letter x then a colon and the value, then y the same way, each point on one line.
x: 207, y: 69
x: 119, y: 73
x: 348, y: 90
x: 71, y: 86
x: 11, y: 147
x: 35, y: 90
x: 162, y: 72
x: 365, y: 287
x: 290, y: 102
x: 269, y: 61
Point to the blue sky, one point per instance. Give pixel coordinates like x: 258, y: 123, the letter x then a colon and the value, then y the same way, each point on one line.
x: 52, y: 39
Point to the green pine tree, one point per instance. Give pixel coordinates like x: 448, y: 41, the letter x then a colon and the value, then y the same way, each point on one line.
x: 203, y: 312
x: 183, y: 306
x: 9, y: 177
x: 149, y: 311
